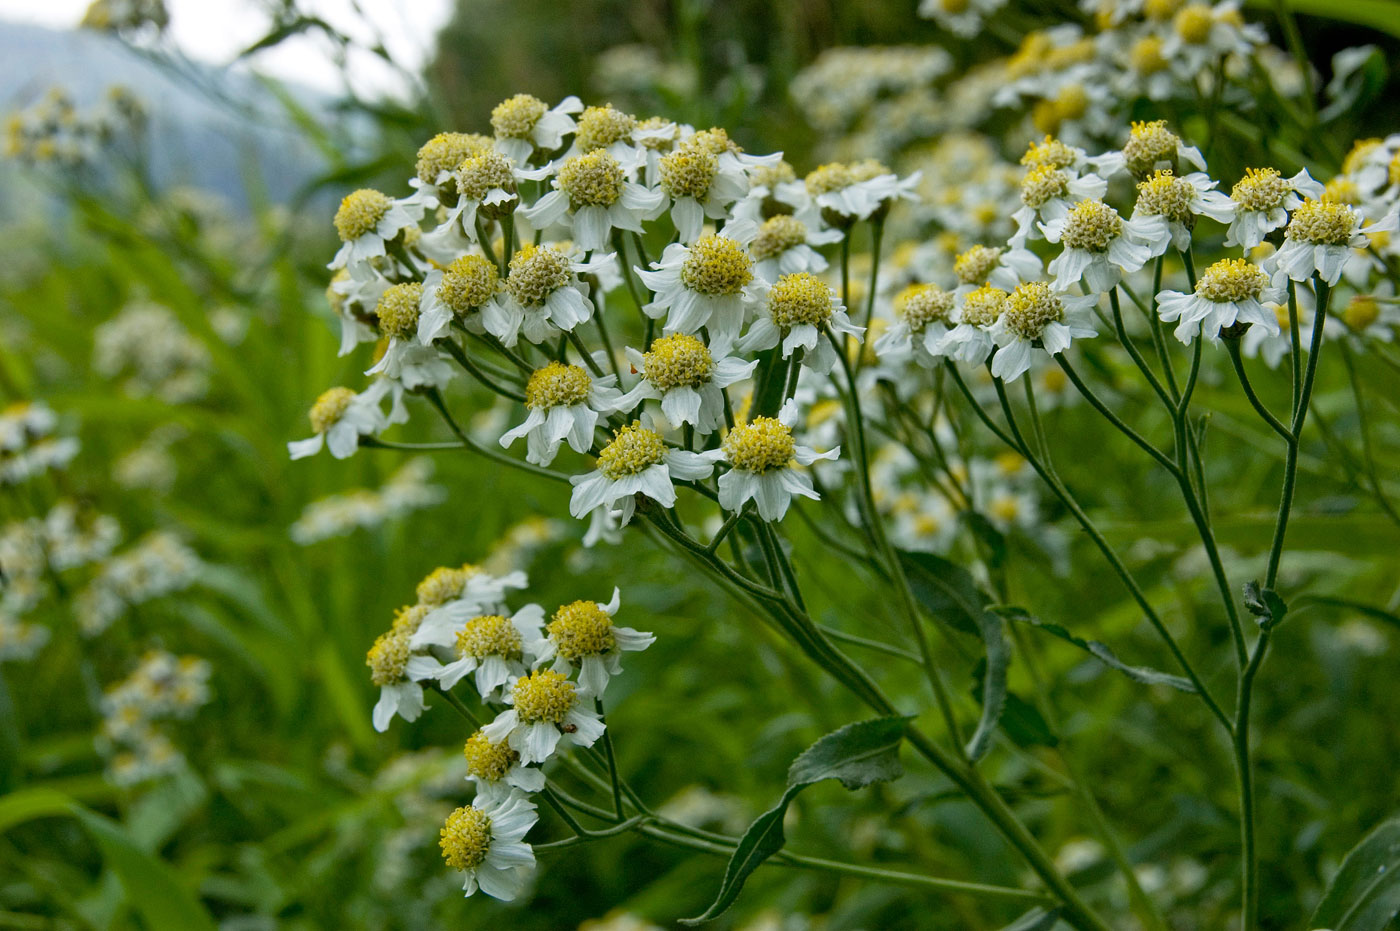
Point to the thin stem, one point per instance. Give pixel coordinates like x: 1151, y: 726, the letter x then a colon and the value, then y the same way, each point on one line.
x: 1113, y: 418
x: 612, y: 761
x: 1363, y: 425
x: 435, y: 397
x: 457, y: 353
x: 1233, y: 347
x: 1167, y: 400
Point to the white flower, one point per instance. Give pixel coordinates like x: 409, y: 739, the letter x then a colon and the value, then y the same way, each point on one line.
x: 762, y: 458
x: 397, y: 672
x: 595, y: 194
x: 855, y: 192
x: 1202, y: 34
x: 1263, y: 199
x: 458, y: 291
x: 564, y: 402
x: 496, y: 648
x: 637, y: 461
x: 1229, y: 293
x: 1003, y: 268
x: 339, y: 418
x: 1036, y: 318
x: 922, y: 315
x: 800, y: 307
x: 496, y: 769
x: 702, y: 179
x: 353, y: 293
x: 367, y: 221
x: 582, y: 635
x: 705, y: 284
x: 546, y: 710
x: 484, y: 842
x: 680, y: 371
x: 543, y: 295
x: 783, y: 246
x: 971, y: 339
x: 1320, y: 238
x: 960, y: 17
x: 486, y: 189
x: 1099, y: 245
x: 1048, y: 193
x: 1273, y: 344
x: 1179, y: 201
x: 1152, y: 147
x: 405, y: 359
x: 524, y: 125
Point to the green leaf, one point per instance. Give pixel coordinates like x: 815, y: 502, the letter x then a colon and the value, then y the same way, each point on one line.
x: 1037, y: 919
x: 1365, y: 893
x: 1377, y: 14
x: 856, y: 755
x: 1265, y: 604
x: 1099, y: 651
x: 946, y: 590
x: 150, y: 884
x: 993, y: 686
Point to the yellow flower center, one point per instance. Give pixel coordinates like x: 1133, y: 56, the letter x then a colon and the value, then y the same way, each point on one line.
x: 592, y: 180
x: 329, y: 408
x: 634, y: 449
x: 1261, y: 189
x: 762, y: 445
x: 833, y: 176
x: 1166, y: 195
x: 360, y: 212
x: 582, y: 629
x: 445, y: 151
x: 441, y: 585
x: 481, y: 174
x: 658, y: 143
x: 1231, y: 280
x: 557, y: 385
x: 388, y: 657
x: 1193, y: 23
x: 489, y: 635
x: 678, y: 361
x: 543, y: 696
x: 689, y: 171
x: 770, y: 176
x: 715, y: 141
x: 921, y: 304
x: 800, y: 298
x: 515, y: 117
x: 468, y: 283
x: 1361, y: 150
x: 1092, y: 225
x: 1148, y: 144
x: 536, y: 272
x: 1049, y: 152
x: 398, y: 309
x: 1341, y: 190
x: 716, y: 266
x: 408, y: 618
x: 982, y: 307
x: 600, y: 127
x: 1042, y: 184
x: 1362, y: 311
x: 1159, y: 11
x: 974, y: 265
x: 1146, y: 55
x: 466, y: 838
x: 1323, y: 223
x: 777, y: 235
x: 487, y: 760
x: 1032, y: 307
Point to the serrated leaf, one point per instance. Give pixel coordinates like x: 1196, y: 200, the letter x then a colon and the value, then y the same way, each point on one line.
x: 1099, y: 651
x: 1264, y: 604
x: 993, y: 686
x: 945, y: 590
x: 856, y: 755
x: 1365, y: 893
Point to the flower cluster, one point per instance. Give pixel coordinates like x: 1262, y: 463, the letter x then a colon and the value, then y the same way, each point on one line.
x: 147, y: 346
x: 28, y: 446
x: 542, y: 676
x: 157, y: 565
x: 163, y: 686
x: 407, y: 490
x: 55, y: 131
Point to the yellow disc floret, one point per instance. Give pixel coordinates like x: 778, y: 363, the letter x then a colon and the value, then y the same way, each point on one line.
x: 1166, y: 195
x: 802, y: 298
x: 1049, y: 152
x: 677, y: 361
x: 634, y: 449
x: 544, y: 696
x: 388, y: 658
x: 409, y: 618
x: 360, y: 212
x: 762, y: 445
x: 466, y: 838
x: 1042, y: 184
x: 974, y: 265
x: 982, y: 307
x: 398, y: 309
x: 581, y: 628
x: 1193, y: 23
x: 1091, y: 225
x: 717, y: 266
x: 689, y: 171
x: 445, y: 151
x: 487, y: 760
x: 468, y: 283
x: 777, y: 235
x: 489, y: 635
x: 770, y: 176
x: 515, y: 117
x: 1231, y: 280
x: 479, y: 175
x: 592, y: 180
x: 1342, y: 190
x: 441, y: 585
x: 329, y: 408
x: 1148, y: 145
x: 833, y: 176
x: 1261, y: 189
x: 1146, y: 55
x: 557, y: 385
x: 1031, y: 308
x: 1362, y: 311
x: 921, y: 304
x: 1323, y: 223
x: 536, y: 272
x: 600, y: 127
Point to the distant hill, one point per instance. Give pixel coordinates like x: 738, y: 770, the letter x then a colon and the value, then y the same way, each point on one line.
x: 194, y: 139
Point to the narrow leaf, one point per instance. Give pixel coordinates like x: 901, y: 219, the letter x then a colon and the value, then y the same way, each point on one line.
x: 1037, y: 919
x: 945, y: 590
x: 1099, y: 651
x: 762, y: 839
x: 993, y: 686
x: 1365, y: 893
x: 150, y: 884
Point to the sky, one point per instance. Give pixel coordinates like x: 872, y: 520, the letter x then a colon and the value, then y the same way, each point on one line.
x: 216, y: 30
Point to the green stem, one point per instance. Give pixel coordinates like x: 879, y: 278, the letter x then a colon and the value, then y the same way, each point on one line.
x: 612, y: 761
